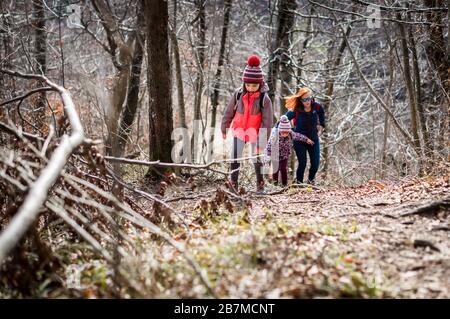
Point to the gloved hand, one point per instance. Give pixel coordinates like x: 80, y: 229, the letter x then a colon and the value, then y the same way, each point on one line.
x: 265, y: 159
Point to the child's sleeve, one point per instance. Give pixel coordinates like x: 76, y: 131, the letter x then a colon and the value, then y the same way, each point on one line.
x: 268, y: 150
x: 229, y: 113
x: 298, y: 136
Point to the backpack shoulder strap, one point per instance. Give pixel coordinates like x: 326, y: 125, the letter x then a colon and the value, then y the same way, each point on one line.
x: 317, y: 106
x: 238, y: 96
x: 295, y: 119
x: 261, y: 100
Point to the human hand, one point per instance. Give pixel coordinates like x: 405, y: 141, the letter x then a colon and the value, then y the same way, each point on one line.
x: 319, y: 129
x: 265, y: 159
x: 224, y: 136
x: 309, y: 141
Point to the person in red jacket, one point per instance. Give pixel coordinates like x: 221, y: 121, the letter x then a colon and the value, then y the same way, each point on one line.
x: 250, y: 114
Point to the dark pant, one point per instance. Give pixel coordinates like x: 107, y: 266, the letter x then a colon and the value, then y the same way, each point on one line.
x: 238, y: 147
x: 314, y: 157
x: 282, y: 169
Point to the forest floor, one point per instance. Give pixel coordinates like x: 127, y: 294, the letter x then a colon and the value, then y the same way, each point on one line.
x: 373, y: 241
x: 377, y: 240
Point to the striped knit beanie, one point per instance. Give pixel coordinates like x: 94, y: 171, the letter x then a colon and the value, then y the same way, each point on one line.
x: 253, y: 72
x: 284, y: 125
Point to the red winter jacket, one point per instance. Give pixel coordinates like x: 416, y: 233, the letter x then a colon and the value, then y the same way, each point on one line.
x: 246, y: 116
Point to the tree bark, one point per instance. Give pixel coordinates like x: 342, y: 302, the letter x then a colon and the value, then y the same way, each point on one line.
x: 437, y: 48
x: 121, y: 52
x: 439, y: 54
x: 411, y: 92
x: 329, y: 93
x: 389, y: 103
x: 158, y: 81
x: 40, y: 47
x: 201, y: 57
x: 132, y: 101
x: 178, y: 78
x: 119, y: 94
x: 198, y: 85
x: 286, y: 64
x: 217, y: 77
x: 418, y: 93
x: 280, y: 45
x: 298, y: 75
x: 305, y: 44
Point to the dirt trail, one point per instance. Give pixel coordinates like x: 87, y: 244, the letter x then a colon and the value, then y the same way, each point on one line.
x: 333, y: 242
x: 387, y: 234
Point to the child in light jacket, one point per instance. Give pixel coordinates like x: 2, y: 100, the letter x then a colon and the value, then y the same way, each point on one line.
x: 279, y: 148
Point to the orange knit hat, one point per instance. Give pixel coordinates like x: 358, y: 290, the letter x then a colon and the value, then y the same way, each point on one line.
x: 291, y: 101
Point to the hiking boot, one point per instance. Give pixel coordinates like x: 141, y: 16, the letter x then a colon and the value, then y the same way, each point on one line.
x: 260, y: 187
x: 233, y: 186
x: 311, y: 182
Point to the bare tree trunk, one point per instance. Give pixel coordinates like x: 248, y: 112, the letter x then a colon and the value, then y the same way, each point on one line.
x: 121, y: 53
x: 298, y: 74
x: 437, y: 48
x: 130, y: 96
x: 439, y: 55
x: 384, y: 148
x: 419, y: 101
x: 286, y: 70
x: 6, y: 56
x: 178, y: 78
x: 326, y: 104
x: 131, y: 104
x: 158, y: 81
x: 301, y: 56
x: 118, y: 99
x: 389, y: 103
x: 217, y: 77
x: 40, y: 47
x: 201, y: 59
x: 178, y: 75
x: 278, y: 49
x: 411, y: 92
x: 198, y: 86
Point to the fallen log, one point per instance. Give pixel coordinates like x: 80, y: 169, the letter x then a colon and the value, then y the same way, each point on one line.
x: 37, y: 195
x: 428, y: 208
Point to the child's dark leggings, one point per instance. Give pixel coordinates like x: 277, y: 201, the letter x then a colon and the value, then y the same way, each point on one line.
x: 314, y: 157
x: 282, y: 169
x: 238, y: 147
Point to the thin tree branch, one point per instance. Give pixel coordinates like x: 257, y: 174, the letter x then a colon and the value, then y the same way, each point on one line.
x: 37, y: 195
